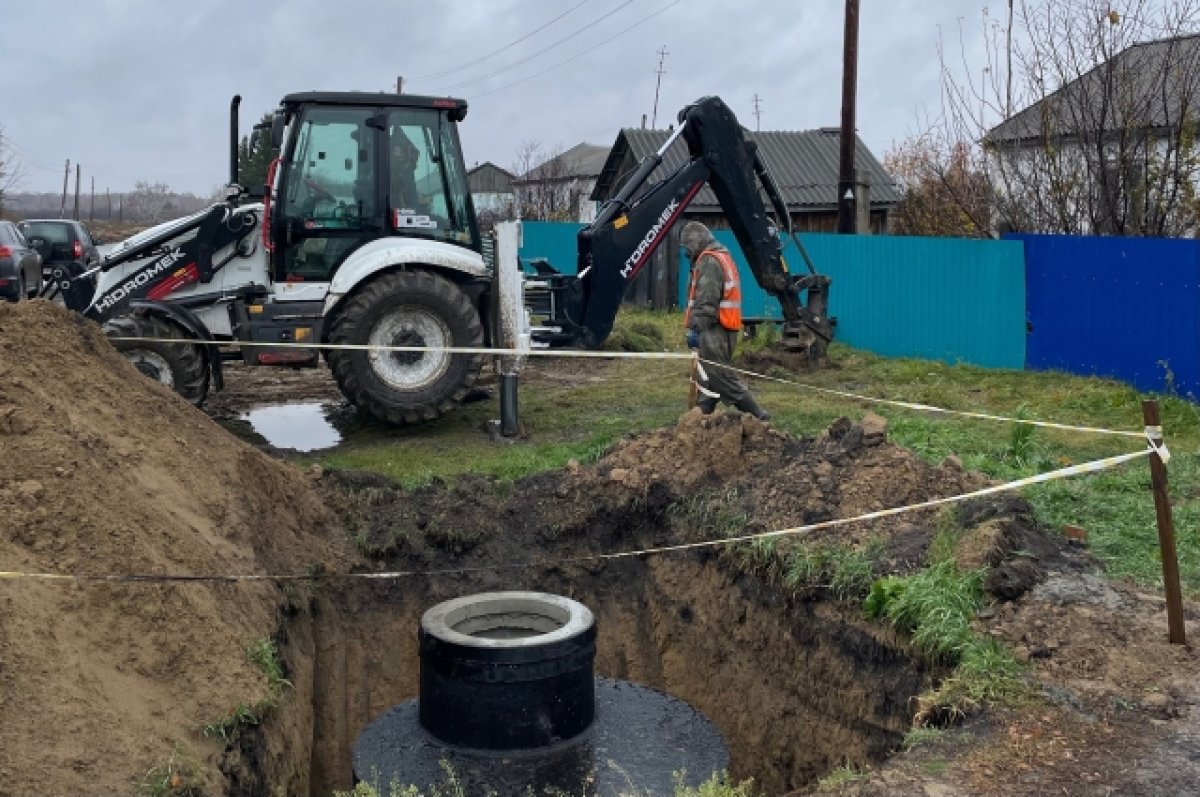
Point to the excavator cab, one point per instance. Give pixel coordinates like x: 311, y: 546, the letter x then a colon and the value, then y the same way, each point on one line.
x: 356, y: 167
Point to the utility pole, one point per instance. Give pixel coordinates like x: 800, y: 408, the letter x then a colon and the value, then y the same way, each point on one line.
x: 662, y: 57
x: 846, y: 222
x: 78, y: 175
x: 399, y: 84
x: 92, y: 210
x: 1008, y: 64
x: 62, y: 209
x: 757, y: 112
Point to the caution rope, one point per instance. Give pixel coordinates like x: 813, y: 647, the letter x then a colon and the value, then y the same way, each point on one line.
x: 631, y: 355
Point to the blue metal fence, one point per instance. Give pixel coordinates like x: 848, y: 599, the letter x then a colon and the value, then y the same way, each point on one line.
x: 1116, y: 307
x: 550, y: 240
x: 1127, y: 308
x: 936, y: 298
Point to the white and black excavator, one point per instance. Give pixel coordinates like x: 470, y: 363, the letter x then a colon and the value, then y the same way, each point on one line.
x: 365, y: 236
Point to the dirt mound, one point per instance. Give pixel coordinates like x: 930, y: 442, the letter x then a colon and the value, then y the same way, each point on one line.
x: 105, y: 472
x: 726, y: 474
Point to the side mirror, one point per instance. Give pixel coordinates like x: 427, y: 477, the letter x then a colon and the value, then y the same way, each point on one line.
x: 278, y: 123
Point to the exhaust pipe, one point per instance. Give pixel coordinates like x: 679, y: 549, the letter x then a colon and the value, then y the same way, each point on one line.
x: 233, y: 138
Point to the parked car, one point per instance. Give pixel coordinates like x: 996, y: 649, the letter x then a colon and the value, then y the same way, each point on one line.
x: 60, y: 241
x: 20, y: 265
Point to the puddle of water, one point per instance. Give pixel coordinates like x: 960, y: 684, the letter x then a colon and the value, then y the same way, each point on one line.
x: 300, y: 427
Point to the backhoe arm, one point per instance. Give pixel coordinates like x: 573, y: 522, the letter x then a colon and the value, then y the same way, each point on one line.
x: 627, y: 231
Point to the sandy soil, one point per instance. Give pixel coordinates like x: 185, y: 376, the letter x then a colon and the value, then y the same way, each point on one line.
x: 104, y: 473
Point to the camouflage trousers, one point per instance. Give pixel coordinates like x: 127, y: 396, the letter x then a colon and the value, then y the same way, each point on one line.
x: 716, y: 345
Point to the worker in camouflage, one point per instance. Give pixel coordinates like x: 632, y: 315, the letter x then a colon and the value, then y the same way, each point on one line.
x: 714, y: 319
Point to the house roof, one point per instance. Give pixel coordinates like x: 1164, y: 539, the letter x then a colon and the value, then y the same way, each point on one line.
x: 581, y: 160
x: 489, y: 165
x: 1150, y: 85
x: 804, y: 163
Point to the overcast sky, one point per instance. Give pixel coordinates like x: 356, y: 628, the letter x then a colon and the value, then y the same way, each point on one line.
x: 139, y: 89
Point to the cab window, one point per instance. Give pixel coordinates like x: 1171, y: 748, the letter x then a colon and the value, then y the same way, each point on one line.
x: 330, y: 185
x: 427, y: 187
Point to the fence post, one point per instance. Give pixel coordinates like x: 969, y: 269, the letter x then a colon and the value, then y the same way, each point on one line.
x: 1166, y: 527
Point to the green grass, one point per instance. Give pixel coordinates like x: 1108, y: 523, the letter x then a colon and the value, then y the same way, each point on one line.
x: 917, y: 737
x: 935, y: 607
x: 718, y: 785
x: 181, y: 775
x: 263, y: 654
x: 839, y: 777
x: 580, y: 418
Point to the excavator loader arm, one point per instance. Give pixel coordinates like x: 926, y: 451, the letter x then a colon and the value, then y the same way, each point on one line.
x: 628, y: 229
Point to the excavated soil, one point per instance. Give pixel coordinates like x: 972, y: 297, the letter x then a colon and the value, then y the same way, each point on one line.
x: 107, y: 473
x: 103, y: 473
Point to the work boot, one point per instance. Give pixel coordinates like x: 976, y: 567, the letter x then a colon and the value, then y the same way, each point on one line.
x: 748, y: 404
x: 707, y: 405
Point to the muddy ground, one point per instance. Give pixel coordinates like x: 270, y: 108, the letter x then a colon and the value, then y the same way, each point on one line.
x: 106, y: 473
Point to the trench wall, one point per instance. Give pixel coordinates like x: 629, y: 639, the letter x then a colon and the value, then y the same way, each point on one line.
x: 795, y: 689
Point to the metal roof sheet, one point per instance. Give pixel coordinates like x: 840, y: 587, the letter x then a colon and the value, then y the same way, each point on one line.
x: 581, y: 160
x: 1148, y: 85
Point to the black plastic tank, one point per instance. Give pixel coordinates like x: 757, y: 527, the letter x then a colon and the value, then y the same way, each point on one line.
x: 509, y: 702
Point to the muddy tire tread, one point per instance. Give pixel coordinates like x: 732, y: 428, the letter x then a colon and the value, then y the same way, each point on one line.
x: 346, y: 328
x: 189, y: 363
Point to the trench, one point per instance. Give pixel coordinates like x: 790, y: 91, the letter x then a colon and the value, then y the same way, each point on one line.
x: 796, y: 688
x: 797, y: 682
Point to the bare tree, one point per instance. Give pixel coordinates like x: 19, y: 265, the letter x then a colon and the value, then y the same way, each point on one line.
x: 547, y: 187
x: 943, y: 194
x: 11, y: 171
x: 1082, y: 116
x: 150, y: 202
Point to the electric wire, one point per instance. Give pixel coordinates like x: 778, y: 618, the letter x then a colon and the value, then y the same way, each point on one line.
x: 580, y: 54
x: 461, y: 67
x: 539, y: 53
x: 28, y: 157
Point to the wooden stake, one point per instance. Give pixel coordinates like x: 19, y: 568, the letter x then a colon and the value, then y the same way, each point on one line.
x: 1176, y: 633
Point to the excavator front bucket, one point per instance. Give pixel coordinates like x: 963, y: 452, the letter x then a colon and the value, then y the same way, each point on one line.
x: 812, y: 331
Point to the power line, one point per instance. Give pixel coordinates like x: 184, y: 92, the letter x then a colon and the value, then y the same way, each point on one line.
x: 579, y: 55
x: 28, y: 157
x: 543, y: 51
x: 461, y: 67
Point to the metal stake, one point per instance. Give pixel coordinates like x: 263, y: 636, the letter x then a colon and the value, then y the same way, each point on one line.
x: 510, y: 425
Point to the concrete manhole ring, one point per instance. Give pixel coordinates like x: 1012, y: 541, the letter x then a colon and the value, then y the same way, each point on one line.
x: 507, y: 670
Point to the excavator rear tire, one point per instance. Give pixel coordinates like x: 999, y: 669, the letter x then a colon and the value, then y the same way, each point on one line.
x: 406, y: 308
x: 181, y: 367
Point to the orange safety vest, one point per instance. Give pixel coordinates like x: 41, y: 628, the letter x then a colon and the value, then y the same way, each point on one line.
x: 729, y: 313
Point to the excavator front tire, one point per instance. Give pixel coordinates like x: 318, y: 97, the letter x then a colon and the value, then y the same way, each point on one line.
x: 181, y: 366
x: 406, y: 308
